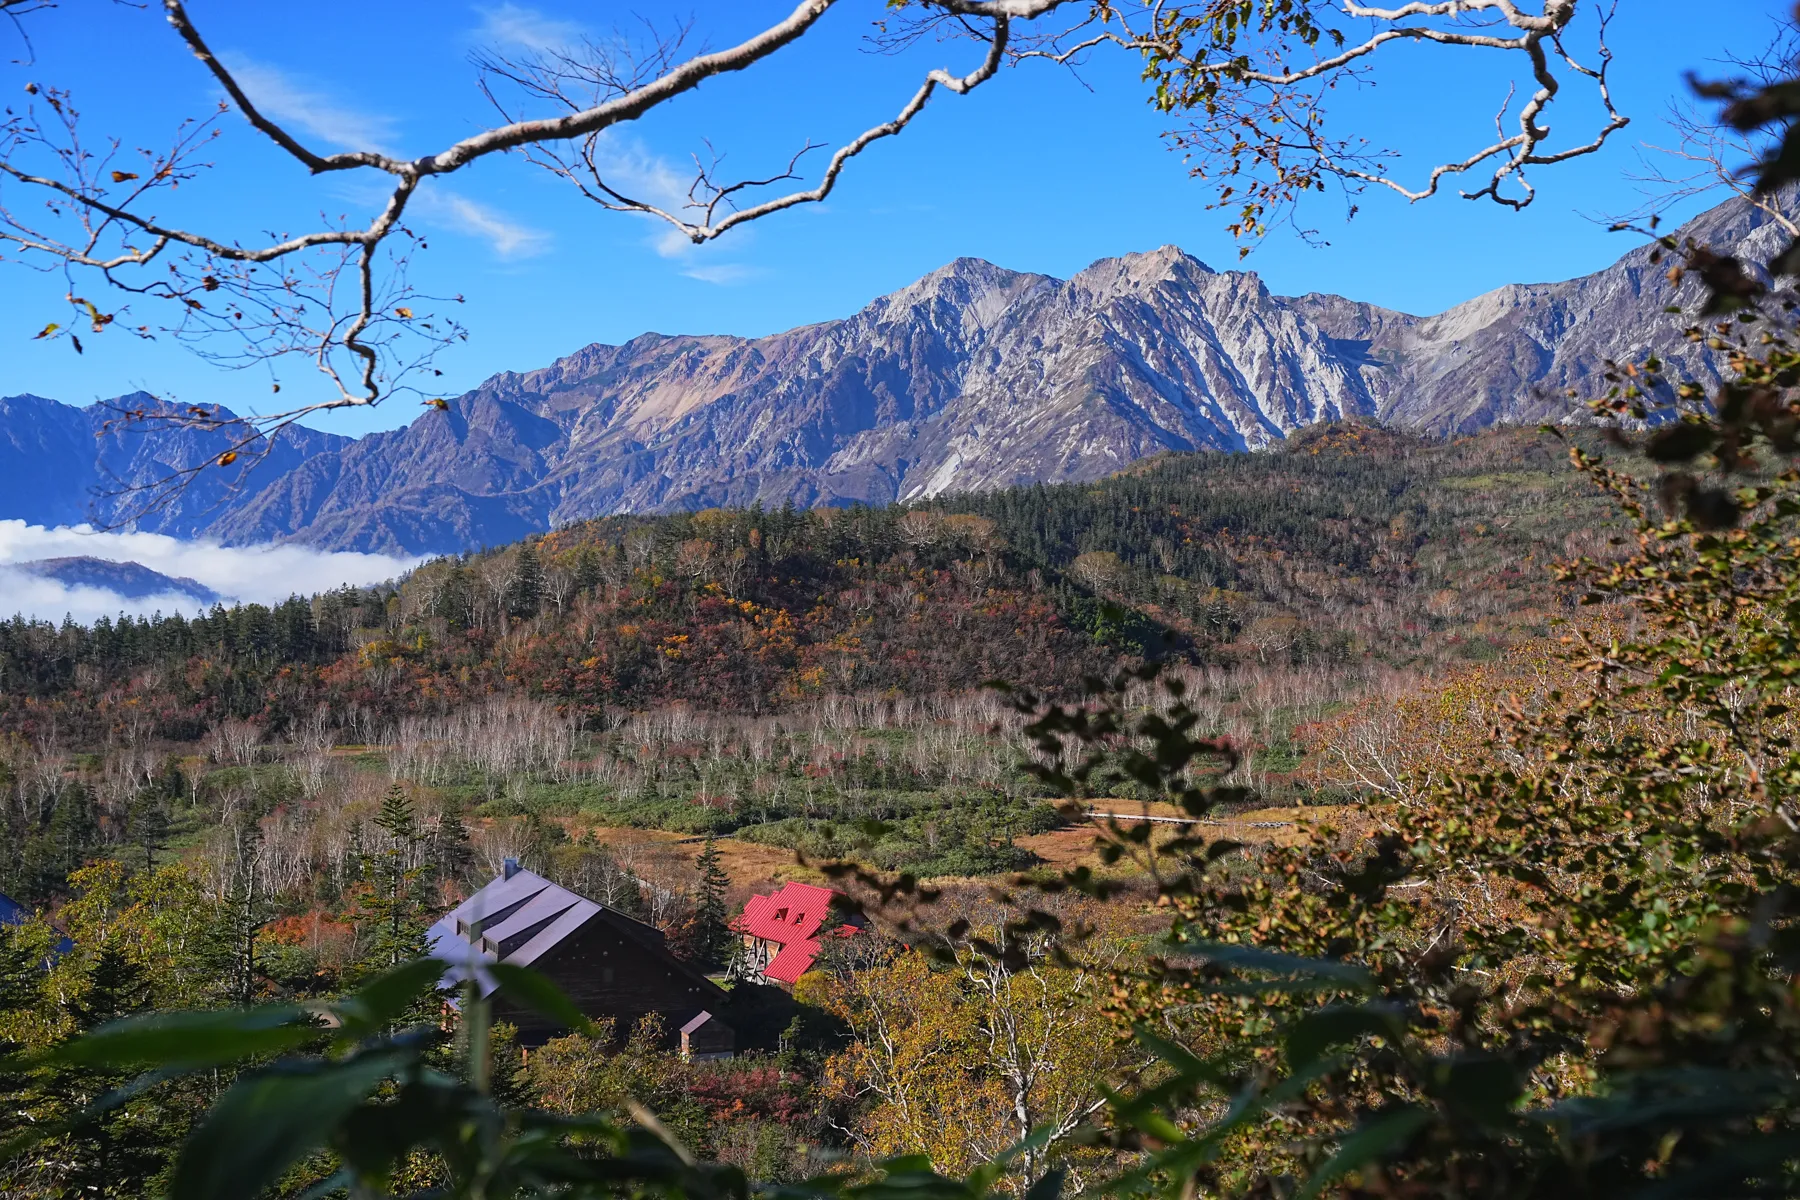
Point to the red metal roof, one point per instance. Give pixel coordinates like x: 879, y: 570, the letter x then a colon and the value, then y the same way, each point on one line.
x: 791, y: 918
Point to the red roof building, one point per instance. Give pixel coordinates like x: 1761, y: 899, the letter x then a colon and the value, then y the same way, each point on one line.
x: 782, y: 932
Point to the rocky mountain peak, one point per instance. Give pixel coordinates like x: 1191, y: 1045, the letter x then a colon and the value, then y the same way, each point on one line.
x: 976, y: 291
x: 1134, y: 274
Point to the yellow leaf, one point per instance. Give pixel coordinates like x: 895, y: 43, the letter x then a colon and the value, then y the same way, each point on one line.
x: 49, y: 329
x: 227, y: 458
x: 122, y: 176
x: 405, y: 313
x: 441, y: 405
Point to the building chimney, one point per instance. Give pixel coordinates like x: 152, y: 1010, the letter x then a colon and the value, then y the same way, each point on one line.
x: 511, y: 868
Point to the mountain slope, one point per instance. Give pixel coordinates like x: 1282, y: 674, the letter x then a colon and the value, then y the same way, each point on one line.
x: 1511, y: 354
x: 61, y: 465
x: 132, y: 580
x: 972, y: 378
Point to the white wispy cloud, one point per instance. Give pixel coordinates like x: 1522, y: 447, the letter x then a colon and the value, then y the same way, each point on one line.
x: 508, y: 237
x: 264, y: 574
x: 634, y: 170
x: 302, y: 105
x: 724, y: 274
x: 514, y: 26
x: 31, y: 595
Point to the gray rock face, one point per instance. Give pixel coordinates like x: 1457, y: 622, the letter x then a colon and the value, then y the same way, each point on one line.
x: 1511, y: 355
x: 973, y: 377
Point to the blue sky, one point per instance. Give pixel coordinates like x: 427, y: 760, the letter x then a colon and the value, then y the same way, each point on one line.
x: 1038, y: 170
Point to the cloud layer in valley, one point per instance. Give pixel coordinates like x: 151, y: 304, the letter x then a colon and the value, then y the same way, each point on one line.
x: 264, y: 574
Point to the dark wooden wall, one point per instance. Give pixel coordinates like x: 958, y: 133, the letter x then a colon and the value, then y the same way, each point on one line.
x: 610, y: 975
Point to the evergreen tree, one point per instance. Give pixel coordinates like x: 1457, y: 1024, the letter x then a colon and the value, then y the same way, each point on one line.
x: 587, y: 569
x: 242, y: 918
x: 121, y: 1151
x: 528, y: 583
x: 712, y: 925
x: 398, y: 904
x: 21, y: 972
x: 147, y: 822
x: 451, y: 853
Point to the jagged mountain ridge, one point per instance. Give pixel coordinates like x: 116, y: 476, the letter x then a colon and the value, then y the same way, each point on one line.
x: 973, y: 377
x: 1510, y: 355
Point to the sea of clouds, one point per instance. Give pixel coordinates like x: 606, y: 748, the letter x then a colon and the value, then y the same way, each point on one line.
x: 264, y: 574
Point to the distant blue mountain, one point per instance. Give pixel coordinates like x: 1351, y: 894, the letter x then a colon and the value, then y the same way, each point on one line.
x: 61, y: 465
x: 132, y: 580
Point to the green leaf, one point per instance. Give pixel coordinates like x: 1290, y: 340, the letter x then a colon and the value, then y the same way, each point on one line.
x: 380, y: 1135
x: 330, y: 1185
x: 1680, y: 442
x: 33, y: 1134
x: 538, y: 993
x: 1307, y: 1039
x: 1485, y: 1086
x: 1322, y: 970
x: 1365, y: 1145
x: 268, y: 1121
x: 1189, y: 1067
x: 385, y: 998
x: 1049, y: 1187
x: 1753, y: 1156
x: 190, y: 1041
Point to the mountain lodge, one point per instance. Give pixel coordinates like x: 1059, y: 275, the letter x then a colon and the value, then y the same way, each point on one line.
x: 613, y: 967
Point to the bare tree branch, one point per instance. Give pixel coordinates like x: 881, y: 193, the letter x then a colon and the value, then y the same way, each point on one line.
x: 1256, y: 78
x: 586, y: 169
x: 1707, y: 156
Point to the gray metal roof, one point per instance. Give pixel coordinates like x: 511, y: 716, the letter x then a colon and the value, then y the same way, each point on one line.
x: 518, y: 919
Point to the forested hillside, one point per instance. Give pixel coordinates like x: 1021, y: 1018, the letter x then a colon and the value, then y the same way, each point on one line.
x: 1368, y: 661
x: 778, y: 676
x: 1348, y: 543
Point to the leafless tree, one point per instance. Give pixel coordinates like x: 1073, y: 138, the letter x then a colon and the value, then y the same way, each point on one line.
x: 1245, y: 80
x: 233, y: 742
x: 497, y: 573
x: 731, y: 569
x: 694, y: 558
x: 559, y: 586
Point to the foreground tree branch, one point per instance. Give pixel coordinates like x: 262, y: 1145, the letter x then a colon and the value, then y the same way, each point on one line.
x: 1253, y: 84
